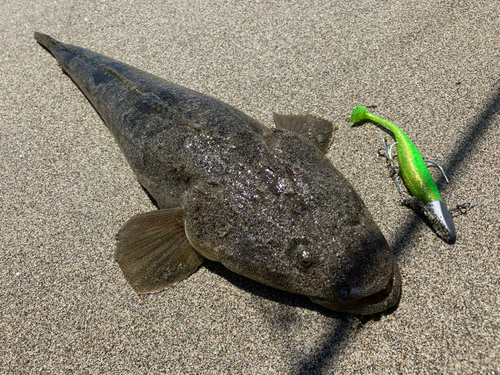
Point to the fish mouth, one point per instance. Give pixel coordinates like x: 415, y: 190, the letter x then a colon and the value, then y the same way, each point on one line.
x: 374, y: 298
x: 373, y: 303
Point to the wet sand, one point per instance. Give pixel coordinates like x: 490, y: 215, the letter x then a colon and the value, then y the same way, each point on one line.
x: 432, y: 68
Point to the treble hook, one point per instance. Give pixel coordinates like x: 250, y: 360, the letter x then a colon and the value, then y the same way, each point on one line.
x: 388, y: 149
x: 440, y: 168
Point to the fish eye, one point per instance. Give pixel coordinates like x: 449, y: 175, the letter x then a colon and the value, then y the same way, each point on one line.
x: 344, y: 292
x: 303, y: 256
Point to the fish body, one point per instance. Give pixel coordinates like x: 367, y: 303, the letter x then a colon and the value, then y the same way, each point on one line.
x: 266, y: 203
x: 415, y: 174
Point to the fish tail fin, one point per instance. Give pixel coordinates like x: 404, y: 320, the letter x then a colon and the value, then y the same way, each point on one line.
x: 46, y: 41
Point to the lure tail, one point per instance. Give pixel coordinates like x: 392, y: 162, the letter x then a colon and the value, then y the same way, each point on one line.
x: 359, y: 114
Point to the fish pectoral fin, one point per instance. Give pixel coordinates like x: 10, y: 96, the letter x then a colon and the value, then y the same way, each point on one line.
x: 153, y: 251
x: 317, y: 130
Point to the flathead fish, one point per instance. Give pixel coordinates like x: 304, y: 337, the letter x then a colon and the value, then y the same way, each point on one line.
x: 266, y: 203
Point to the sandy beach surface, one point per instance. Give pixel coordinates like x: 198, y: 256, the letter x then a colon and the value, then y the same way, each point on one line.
x: 432, y: 67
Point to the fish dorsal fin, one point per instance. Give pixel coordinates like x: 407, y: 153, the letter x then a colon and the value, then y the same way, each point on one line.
x: 153, y: 251
x: 317, y: 130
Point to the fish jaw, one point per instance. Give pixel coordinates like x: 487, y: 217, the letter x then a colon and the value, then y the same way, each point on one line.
x: 370, y: 304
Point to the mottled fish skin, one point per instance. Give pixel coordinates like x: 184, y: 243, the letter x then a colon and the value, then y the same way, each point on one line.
x: 264, y: 202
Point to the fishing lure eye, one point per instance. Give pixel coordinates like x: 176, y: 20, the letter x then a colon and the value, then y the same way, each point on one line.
x: 303, y: 256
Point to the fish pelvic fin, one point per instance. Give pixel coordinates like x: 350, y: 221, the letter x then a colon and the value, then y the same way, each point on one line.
x: 153, y: 251
x: 317, y: 130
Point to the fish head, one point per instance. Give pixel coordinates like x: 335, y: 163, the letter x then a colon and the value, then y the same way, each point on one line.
x: 293, y: 222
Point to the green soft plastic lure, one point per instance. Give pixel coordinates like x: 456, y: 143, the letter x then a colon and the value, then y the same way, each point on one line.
x: 415, y: 174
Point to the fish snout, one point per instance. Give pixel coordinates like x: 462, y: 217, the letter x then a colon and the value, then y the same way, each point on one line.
x: 355, y: 299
